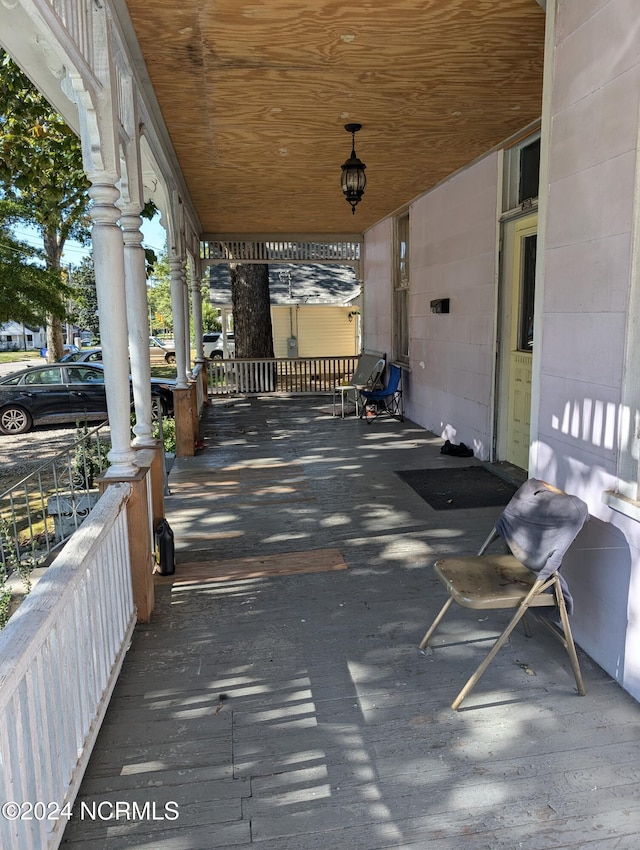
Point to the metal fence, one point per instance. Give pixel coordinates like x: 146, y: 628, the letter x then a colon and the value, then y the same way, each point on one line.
x: 296, y: 376
x: 42, y: 510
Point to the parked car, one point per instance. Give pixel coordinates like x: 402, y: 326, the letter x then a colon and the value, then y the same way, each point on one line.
x: 66, y: 349
x: 159, y: 349
x: 86, y: 355
x: 213, y: 344
x: 94, y: 355
x: 62, y: 392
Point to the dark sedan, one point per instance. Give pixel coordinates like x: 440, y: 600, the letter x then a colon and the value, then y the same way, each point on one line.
x: 62, y: 392
x: 85, y: 355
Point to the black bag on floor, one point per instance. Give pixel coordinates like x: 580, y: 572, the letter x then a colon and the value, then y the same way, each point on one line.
x: 456, y: 451
x: 165, y: 549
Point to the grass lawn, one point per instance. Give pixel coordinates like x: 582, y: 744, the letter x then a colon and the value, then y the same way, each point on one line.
x: 165, y: 371
x: 18, y: 356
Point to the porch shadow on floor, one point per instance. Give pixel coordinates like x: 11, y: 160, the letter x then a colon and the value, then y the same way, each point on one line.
x: 295, y: 712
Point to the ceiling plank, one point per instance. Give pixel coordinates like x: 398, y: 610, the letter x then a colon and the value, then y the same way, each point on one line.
x: 255, y: 97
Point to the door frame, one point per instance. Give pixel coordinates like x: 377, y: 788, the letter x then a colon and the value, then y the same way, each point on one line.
x: 506, y: 321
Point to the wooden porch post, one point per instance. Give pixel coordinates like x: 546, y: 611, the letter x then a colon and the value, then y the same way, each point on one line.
x: 152, y: 457
x: 183, y: 412
x: 140, y: 540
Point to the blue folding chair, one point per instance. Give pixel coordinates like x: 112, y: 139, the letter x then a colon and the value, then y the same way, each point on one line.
x: 386, y: 400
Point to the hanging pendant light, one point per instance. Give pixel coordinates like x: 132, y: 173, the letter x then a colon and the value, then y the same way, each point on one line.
x: 353, y: 177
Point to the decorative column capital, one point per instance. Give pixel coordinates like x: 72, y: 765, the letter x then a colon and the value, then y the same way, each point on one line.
x: 130, y: 223
x: 103, y: 210
x: 176, y: 265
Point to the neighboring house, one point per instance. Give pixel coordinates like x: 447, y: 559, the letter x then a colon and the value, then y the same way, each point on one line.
x: 314, y: 308
x: 14, y: 336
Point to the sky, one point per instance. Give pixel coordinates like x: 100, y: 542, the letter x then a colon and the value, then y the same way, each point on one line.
x: 154, y: 236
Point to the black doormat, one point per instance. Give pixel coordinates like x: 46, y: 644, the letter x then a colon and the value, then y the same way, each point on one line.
x: 454, y: 489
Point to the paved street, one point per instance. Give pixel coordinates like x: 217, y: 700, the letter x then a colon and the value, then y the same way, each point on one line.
x: 8, y: 368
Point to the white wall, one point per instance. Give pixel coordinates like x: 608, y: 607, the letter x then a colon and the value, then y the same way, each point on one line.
x: 377, y: 288
x: 452, y: 255
x: 593, y: 120
x: 591, y: 124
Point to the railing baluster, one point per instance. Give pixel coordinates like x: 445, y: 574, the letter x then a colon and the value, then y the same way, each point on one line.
x: 291, y: 375
x: 58, y: 663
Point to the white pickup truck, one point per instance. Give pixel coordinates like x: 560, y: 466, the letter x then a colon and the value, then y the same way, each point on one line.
x: 213, y: 345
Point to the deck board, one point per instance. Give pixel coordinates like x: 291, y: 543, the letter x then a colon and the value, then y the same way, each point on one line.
x: 288, y: 710
x: 256, y: 566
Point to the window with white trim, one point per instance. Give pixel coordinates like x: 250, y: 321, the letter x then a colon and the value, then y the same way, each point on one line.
x: 521, y: 174
x: 401, y: 278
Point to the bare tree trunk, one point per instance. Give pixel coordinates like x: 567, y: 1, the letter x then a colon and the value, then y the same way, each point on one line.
x: 53, y: 253
x: 252, y: 318
x: 55, y: 348
x: 251, y: 309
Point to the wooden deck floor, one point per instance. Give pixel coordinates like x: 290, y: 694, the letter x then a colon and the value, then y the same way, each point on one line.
x: 292, y: 710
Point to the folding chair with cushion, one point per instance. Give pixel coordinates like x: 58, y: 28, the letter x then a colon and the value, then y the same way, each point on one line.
x: 367, y: 376
x: 386, y: 400
x: 538, y: 526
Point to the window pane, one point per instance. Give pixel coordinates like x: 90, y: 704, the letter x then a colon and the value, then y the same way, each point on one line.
x: 403, y: 250
x: 82, y: 375
x: 529, y: 171
x: 401, y: 289
x: 402, y: 323
x: 529, y: 245
x: 44, y: 376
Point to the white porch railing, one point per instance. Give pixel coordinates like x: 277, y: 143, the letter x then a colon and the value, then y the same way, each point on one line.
x: 298, y: 375
x: 200, y: 399
x: 60, y: 655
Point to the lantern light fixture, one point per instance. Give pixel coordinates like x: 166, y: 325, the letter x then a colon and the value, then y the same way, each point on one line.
x: 353, y: 179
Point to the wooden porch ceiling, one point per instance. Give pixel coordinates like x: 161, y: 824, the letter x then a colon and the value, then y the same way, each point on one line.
x: 255, y: 96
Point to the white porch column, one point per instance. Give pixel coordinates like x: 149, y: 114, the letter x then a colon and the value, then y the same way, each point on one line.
x: 137, y: 311
x: 108, y: 256
x: 196, y: 306
x: 176, y: 272
x: 187, y: 329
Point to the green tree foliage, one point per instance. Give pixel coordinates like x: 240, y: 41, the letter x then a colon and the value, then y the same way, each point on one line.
x: 27, y: 290
x: 210, y: 314
x: 159, y: 297
x: 41, y: 173
x: 83, y: 280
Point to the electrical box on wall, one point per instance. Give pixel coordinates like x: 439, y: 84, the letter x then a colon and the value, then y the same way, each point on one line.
x: 292, y: 347
x: 440, y: 305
